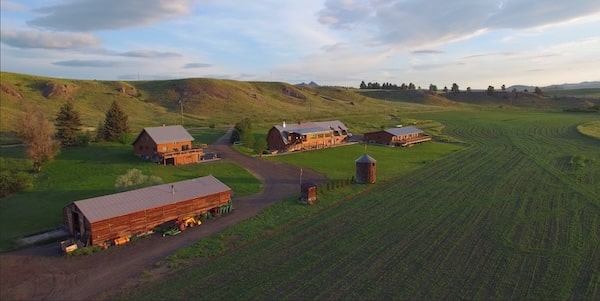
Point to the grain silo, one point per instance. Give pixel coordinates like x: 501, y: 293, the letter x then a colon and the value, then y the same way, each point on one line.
x: 365, y: 170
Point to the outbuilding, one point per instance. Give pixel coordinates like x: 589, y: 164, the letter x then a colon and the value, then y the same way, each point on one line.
x: 403, y: 136
x: 366, y: 170
x: 104, y: 219
x: 168, y: 145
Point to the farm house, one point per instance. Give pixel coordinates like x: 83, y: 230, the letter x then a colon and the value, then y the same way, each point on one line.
x: 106, y: 218
x: 405, y: 136
x: 306, y: 136
x: 168, y: 145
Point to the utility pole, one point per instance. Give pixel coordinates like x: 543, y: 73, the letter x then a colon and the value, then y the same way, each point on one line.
x: 181, y: 107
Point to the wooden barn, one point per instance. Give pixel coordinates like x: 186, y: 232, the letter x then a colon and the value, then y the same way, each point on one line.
x: 306, y: 136
x: 104, y: 219
x: 168, y: 145
x: 404, y: 136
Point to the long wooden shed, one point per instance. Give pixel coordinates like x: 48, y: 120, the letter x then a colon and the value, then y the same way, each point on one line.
x: 103, y: 219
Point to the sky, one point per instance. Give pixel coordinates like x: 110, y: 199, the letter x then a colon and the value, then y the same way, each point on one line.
x: 473, y: 43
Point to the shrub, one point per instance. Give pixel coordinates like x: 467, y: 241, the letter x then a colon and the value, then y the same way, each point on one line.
x: 134, y: 179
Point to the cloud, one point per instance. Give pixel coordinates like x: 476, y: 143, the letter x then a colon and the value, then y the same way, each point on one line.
x: 196, y: 65
x: 426, y: 51
x: 415, y: 23
x: 92, y: 15
x: 87, y: 63
x: 47, y: 40
x: 10, y: 5
x: 344, y: 13
x: 505, y: 53
x: 148, y: 54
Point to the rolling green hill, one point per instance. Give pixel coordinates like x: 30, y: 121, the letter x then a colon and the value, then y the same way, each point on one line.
x: 203, y: 101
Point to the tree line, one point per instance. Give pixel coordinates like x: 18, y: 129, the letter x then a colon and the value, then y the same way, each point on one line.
x: 433, y: 88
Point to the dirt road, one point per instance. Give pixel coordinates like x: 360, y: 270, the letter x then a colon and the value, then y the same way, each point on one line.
x: 43, y: 273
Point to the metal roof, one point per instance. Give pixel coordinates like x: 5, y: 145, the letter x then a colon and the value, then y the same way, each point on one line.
x: 118, y: 204
x: 365, y: 159
x: 170, y: 133
x: 404, y: 131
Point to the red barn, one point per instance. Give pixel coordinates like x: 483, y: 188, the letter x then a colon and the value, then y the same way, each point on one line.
x: 405, y: 136
x: 103, y: 219
x: 169, y: 145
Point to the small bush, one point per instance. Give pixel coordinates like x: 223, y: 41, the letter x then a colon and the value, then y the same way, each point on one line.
x: 85, y: 251
x: 12, y: 181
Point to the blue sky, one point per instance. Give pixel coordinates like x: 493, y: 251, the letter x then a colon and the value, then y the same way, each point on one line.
x: 474, y: 43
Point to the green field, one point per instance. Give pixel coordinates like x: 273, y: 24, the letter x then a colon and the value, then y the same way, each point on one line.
x: 591, y: 129
x: 84, y: 172
x: 515, y: 215
x: 504, y: 204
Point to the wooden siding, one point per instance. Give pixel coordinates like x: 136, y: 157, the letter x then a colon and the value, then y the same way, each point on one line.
x: 299, y: 142
x: 146, y: 220
x: 175, y: 153
x: 383, y: 137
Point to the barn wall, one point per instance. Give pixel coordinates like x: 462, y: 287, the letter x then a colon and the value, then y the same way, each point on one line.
x: 274, y: 141
x: 173, y: 146
x: 381, y: 137
x: 146, y: 220
x: 144, y: 145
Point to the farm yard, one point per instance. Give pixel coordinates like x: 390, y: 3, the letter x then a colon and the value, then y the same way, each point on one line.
x: 503, y: 203
x: 514, y: 215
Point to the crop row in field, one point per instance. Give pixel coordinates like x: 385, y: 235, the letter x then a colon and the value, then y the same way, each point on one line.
x: 499, y: 220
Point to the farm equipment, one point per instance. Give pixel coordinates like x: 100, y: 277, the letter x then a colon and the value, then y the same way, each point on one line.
x: 191, y: 221
x: 171, y: 232
x: 179, y: 225
x: 69, y: 245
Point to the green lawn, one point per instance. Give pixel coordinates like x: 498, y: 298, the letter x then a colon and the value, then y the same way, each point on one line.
x: 515, y: 215
x: 591, y: 129
x: 84, y: 172
x: 339, y: 162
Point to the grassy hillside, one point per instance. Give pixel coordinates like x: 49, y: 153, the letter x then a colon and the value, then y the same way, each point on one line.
x: 204, y: 101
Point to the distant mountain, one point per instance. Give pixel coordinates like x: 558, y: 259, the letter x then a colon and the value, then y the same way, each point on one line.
x: 311, y: 84
x: 566, y: 86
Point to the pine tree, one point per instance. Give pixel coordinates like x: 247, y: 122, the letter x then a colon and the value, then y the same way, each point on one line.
x: 115, y: 124
x: 68, y: 125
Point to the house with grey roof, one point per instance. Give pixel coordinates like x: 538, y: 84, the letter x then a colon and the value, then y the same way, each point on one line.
x: 400, y: 136
x: 306, y: 136
x: 168, y: 145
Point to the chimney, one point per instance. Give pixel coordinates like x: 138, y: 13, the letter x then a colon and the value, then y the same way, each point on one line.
x: 173, y: 189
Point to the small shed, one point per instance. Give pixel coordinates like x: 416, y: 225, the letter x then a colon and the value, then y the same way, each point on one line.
x: 365, y: 169
x: 308, y: 193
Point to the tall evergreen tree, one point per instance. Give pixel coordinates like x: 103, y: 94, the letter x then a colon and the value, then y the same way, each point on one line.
x: 68, y: 124
x: 115, y: 124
